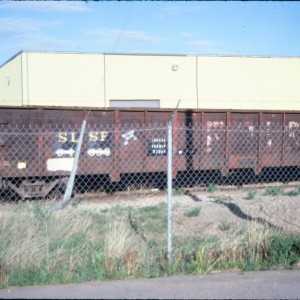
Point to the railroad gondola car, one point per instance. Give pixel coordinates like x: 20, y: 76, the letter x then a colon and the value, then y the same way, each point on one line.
x: 37, y: 144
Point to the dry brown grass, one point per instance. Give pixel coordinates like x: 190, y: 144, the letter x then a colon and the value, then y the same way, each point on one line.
x: 252, y: 242
x: 27, y: 232
x: 122, y: 245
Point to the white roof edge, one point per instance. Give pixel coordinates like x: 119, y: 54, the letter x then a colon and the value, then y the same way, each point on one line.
x: 144, y: 54
x: 11, y: 58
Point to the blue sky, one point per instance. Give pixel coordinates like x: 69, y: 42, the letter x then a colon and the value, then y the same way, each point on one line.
x: 167, y: 27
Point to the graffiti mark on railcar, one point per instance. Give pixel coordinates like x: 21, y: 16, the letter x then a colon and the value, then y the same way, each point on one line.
x: 214, y: 135
x: 272, y: 133
x: 294, y: 134
x: 269, y: 133
x: 128, y: 136
x: 244, y: 137
x: 188, y: 152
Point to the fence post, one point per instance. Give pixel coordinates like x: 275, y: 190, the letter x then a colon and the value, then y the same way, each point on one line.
x: 169, y: 182
x: 69, y: 189
x: 170, y: 150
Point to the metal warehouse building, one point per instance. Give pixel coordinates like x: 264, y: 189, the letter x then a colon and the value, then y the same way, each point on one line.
x: 148, y: 80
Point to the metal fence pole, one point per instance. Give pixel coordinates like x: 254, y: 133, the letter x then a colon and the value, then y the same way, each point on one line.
x: 169, y: 182
x: 170, y: 142
x: 69, y: 189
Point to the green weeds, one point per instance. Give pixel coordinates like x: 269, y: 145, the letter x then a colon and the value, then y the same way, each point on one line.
x: 251, y: 193
x: 224, y: 225
x: 193, y: 212
x: 178, y: 192
x: 284, y: 250
x: 278, y: 191
x: 212, y: 187
x: 273, y: 191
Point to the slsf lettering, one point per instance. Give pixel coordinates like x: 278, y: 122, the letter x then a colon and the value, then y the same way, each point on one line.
x: 73, y: 137
x: 64, y: 137
x: 95, y: 136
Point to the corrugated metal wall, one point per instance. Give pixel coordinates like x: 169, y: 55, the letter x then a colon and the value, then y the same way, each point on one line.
x: 70, y: 79
x: 92, y: 80
x: 249, y: 82
x: 152, y: 77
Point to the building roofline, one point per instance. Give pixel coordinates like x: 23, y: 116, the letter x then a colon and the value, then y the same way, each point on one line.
x: 144, y: 54
x: 13, y: 57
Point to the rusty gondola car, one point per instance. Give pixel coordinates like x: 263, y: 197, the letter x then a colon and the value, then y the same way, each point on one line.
x: 32, y: 165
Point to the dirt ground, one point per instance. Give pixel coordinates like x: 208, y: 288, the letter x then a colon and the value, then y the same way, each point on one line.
x: 221, y: 212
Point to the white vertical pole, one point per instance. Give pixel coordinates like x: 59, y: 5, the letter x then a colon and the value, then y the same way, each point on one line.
x: 169, y: 182
x: 69, y: 189
x: 170, y: 142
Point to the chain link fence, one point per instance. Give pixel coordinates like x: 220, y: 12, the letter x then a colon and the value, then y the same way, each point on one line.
x: 227, y: 183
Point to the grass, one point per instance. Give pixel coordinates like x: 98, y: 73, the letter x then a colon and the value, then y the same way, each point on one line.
x: 212, y: 187
x: 251, y: 193
x: 278, y: 191
x: 273, y: 191
x: 294, y: 192
x: 79, y: 244
x: 224, y: 225
x: 178, y: 192
x: 193, y: 212
x: 284, y: 250
x: 38, y: 248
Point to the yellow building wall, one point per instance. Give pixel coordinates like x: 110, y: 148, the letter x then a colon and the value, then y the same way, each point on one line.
x: 149, y: 77
x: 93, y: 79
x: 63, y: 79
x: 11, y: 83
x: 249, y: 83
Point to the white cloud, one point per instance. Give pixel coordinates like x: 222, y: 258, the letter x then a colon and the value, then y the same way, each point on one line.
x: 9, y: 27
x: 18, y: 34
x: 37, y: 41
x: 109, y: 36
x: 61, y: 6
